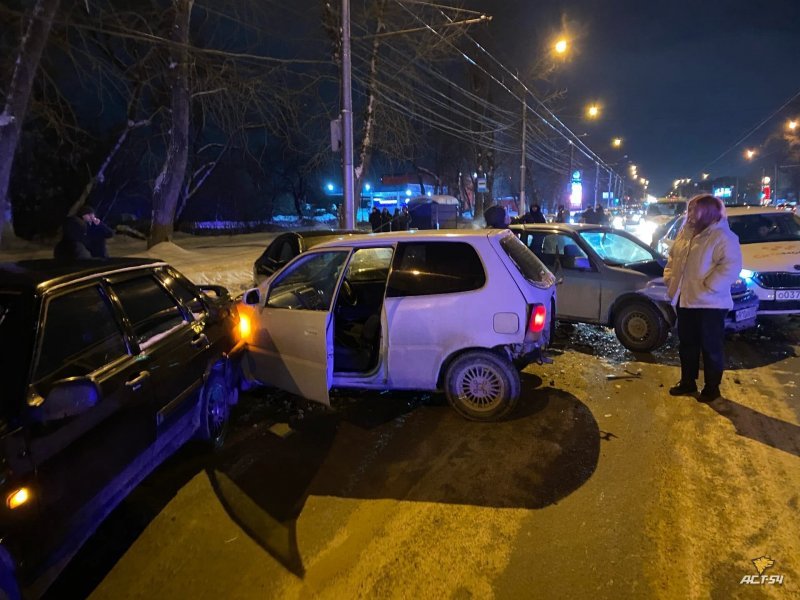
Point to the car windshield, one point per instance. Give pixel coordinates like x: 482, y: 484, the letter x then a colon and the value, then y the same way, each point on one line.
x: 665, y: 209
x: 527, y: 262
x: 616, y: 249
x: 766, y: 227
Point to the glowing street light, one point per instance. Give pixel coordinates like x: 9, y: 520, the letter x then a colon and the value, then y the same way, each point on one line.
x: 561, y: 46
x: 706, y: 176
x: 792, y: 125
x: 616, y: 142
x: 593, y: 111
x: 750, y: 154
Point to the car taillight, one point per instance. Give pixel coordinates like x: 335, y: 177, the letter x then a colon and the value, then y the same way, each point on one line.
x: 538, y: 318
x: 244, y: 326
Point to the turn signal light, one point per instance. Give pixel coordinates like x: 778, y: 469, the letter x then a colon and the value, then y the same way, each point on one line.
x: 538, y: 318
x: 18, y: 497
x: 244, y: 326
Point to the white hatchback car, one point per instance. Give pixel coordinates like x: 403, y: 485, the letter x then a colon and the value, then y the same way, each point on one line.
x: 770, y: 241
x: 459, y: 311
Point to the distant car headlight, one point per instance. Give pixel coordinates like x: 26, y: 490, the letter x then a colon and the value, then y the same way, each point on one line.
x: 746, y: 274
x: 618, y: 222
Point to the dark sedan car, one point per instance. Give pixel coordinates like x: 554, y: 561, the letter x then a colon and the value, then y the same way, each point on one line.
x: 106, y: 368
x: 288, y: 245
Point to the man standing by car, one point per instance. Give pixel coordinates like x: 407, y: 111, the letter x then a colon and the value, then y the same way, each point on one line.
x: 96, y: 235
x: 703, y: 263
x: 74, y: 236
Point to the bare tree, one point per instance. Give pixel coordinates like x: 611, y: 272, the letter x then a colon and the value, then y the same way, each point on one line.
x: 36, y: 31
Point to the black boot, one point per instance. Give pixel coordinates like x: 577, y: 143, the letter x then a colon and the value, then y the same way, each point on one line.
x: 709, y: 393
x: 683, y: 388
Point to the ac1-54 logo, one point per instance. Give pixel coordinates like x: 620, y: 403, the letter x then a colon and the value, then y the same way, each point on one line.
x: 762, y: 564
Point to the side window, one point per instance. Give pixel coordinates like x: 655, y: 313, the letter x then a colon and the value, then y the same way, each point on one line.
x: 673, y: 233
x: 186, y: 293
x: 308, y: 284
x: 149, y: 307
x: 424, y: 268
x: 369, y: 264
x: 560, y: 247
x: 80, y: 335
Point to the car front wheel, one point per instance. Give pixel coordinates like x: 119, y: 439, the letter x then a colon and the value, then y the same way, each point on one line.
x: 216, y: 399
x: 482, y: 386
x: 640, y: 327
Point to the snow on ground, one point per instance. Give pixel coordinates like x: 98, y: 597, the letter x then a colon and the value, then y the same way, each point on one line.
x: 222, y: 260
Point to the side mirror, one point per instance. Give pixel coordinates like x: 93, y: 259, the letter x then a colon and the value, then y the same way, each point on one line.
x: 218, y: 290
x: 582, y: 263
x: 252, y: 297
x: 67, y: 398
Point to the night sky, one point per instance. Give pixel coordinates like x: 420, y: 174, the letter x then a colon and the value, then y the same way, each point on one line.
x: 680, y: 80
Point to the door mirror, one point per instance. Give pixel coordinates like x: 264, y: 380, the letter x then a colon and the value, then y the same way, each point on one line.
x: 252, y: 297
x: 218, y: 290
x: 582, y: 263
x: 67, y: 398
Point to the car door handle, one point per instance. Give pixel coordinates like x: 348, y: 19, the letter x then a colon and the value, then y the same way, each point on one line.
x: 137, y: 381
x: 200, y: 340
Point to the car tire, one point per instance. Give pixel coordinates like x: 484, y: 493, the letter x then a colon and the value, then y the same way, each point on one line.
x: 482, y: 386
x: 216, y: 399
x: 640, y: 327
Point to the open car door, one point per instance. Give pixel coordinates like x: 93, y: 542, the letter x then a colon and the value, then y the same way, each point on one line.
x: 292, y: 341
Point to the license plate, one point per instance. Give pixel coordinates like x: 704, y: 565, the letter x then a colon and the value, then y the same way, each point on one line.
x: 746, y: 313
x: 787, y: 294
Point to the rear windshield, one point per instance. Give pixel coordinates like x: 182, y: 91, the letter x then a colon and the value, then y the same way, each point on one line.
x: 527, y: 262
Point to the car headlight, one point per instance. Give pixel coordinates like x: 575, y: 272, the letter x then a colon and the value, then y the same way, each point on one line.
x: 618, y: 222
x: 746, y: 274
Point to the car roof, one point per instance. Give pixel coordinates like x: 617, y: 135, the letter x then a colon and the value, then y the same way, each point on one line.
x: 314, y: 233
x: 561, y: 227
x: 736, y: 211
x: 30, y: 275
x: 417, y: 235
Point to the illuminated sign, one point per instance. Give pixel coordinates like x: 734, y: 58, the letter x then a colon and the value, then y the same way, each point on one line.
x: 723, y: 192
x: 576, y: 196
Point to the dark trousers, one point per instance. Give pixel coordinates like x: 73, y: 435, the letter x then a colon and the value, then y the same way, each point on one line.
x: 702, y: 331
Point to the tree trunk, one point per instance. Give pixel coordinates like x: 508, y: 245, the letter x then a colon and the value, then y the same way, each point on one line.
x: 367, y: 141
x: 169, y: 182
x: 37, y: 29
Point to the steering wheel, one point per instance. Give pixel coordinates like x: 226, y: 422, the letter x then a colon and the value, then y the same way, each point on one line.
x: 347, y: 294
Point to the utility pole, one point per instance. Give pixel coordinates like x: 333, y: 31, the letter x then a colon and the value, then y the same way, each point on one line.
x: 596, y: 181
x: 348, y: 192
x: 569, y: 175
x: 521, y: 210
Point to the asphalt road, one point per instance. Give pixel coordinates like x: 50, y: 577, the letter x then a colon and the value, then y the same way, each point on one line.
x: 595, y: 488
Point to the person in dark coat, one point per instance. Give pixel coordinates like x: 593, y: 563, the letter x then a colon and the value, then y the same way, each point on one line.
x: 495, y: 217
x: 96, y: 236
x: 405, y: 219
x: 588, y: 216
x: 386, y: 220
x: 561, y: 214
x: 601, y: 218
x: 375, y: 219
x: 74, y: 236
x: 396, y: 220
x: 534, y: 215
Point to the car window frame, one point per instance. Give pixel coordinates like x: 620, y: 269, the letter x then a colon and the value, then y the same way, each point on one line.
x: 397, y: 246
x: 41, y: 326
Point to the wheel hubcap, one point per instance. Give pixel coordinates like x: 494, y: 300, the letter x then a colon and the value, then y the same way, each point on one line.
x: 637, y: 327
x: 481, y: 387
x: 217, y: 410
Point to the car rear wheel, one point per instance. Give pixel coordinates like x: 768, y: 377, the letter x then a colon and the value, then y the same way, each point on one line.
x: 482, y: 386
x: 640, y: 327
x: 216, y: 399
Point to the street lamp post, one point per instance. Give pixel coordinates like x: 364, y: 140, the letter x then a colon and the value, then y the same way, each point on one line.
x: 348, y: 184
x: 521, y: 210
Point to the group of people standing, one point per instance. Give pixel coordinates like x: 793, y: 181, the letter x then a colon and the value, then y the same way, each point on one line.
x: 83, y: 235
x: 383, y: 220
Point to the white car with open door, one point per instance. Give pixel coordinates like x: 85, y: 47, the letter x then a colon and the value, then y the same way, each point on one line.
x: 444, y: 310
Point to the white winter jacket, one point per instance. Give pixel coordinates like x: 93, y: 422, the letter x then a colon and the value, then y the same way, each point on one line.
x: 702, y: 268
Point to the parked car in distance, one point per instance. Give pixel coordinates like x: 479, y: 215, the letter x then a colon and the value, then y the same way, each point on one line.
x: 288, y: 245
x: 655, y: 218
x: 612, y: 278
x: 107, y: 368
x: 770, y: 242
x: 458, y: 311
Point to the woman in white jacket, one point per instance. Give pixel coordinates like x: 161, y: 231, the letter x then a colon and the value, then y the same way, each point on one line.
x: 703, y: 263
